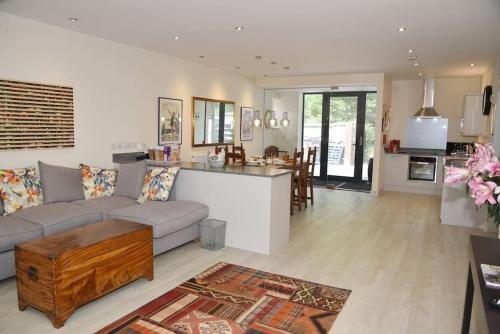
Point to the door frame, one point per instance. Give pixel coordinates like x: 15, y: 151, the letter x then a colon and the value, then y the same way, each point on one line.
x: 325, y: 132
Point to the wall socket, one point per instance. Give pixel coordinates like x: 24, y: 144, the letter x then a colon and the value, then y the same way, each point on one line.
x: 121, y: 147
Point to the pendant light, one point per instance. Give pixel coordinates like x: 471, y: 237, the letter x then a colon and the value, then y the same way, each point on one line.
x: 257, y: 121
x: 273, y: 122
x: 285, y: 122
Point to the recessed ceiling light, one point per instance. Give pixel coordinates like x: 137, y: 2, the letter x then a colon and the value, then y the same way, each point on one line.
x: 472, y: 64
x: 239, y: 28
x: 415, y: 64
x: 286, y: 68
x: 411, y: 50
x: 236, y: 67
x: 401, y: 29
x: 258, y: 57
x: 420, y: 73
x: 176, y: 38
x: 73, y: 19
x: 274, y: 62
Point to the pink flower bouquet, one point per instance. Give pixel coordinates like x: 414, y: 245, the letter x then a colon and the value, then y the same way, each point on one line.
x: 482, y: 177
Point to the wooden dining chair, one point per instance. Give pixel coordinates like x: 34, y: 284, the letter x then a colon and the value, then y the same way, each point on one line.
x: 309, y: 176
x: 236, y: 157
x: 296, y: 192
x: 237, y: 150
x: 274, y: 152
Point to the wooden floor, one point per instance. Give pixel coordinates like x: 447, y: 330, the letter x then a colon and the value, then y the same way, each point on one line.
x: 406, y: 270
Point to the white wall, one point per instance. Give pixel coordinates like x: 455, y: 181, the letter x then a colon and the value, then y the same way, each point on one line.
x: 116, y: 88
x: 280, y: 101
x: 406, y: 99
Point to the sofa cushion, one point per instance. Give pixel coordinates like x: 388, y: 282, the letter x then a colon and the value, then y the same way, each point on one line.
x: 165, y: 217
x: 130, y: 179
x: 19, y: 188
x: 60, y: 184
x: 104, y: 205
x: 14, y: 231
x: 58, y: 217
x: 157, y: 184
x: 98, y: 182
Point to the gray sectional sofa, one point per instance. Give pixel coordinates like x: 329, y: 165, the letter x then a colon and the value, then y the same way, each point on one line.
x: 174, y: 222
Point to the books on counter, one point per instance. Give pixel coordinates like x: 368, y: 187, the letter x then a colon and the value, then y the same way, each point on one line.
x: 491, y: 275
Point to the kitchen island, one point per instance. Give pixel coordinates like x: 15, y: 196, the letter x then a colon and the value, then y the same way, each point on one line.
x: 254, y: 201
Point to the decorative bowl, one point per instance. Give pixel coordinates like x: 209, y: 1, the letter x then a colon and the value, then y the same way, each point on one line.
x: 216, y: 163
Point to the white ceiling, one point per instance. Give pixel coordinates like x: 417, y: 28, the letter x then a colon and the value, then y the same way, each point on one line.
x: 312, y: 37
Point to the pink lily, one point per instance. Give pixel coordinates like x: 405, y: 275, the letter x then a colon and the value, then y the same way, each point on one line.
x: 493, y: 168
x: 484, y: 155
x: 456, y: 175
x: 482, y: 191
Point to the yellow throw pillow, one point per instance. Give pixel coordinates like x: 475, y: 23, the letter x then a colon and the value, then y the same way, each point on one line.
x: 19, y: 189
x: 157, y: 184
x: 98, y: 182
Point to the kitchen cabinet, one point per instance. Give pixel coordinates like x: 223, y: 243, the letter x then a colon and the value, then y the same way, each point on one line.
x: 458, y: 209
x: 396, y: 176
x: 396, y: 169
x: 472, y: 116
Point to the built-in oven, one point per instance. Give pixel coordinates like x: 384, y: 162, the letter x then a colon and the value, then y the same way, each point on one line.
x: 422, y: 168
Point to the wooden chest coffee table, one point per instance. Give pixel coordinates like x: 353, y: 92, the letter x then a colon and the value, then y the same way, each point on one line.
x: 61, y: 272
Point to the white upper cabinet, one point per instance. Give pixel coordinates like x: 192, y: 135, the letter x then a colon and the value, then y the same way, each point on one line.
x: 472, y: 119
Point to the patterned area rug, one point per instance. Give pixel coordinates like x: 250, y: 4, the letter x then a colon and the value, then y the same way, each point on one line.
x: 227, y: 299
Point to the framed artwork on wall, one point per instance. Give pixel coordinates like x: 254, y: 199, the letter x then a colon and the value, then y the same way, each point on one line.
x: 246, y: 124
x: 169, y: 121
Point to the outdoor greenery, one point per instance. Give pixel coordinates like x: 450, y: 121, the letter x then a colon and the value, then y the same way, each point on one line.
x: 343, y: 110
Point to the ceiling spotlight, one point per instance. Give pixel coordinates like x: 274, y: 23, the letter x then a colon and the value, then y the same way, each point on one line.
x: 73, y: 19
x: 286, y: 68
x: 239, y: 28
x: 176, y: 38
x: 401, y: 29
x: 258, y: 57
x: 472, y: 64
x: 411, y: 50
x: 236, y: 67
x: 420, y: 73
x: 416, y: 64
x: 274, y: 62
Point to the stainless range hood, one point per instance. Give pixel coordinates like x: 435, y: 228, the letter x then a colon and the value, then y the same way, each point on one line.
x: 427, y: 110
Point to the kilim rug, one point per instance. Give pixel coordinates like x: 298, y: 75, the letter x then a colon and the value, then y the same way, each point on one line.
x: 227, y: 299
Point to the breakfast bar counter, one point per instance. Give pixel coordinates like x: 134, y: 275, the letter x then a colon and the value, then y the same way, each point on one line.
x: 254, y: 201
x: 265, y: 171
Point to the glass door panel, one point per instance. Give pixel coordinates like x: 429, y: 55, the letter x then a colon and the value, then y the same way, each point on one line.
x: 313, y: 112
x: 369, y: 144
x: 342, y: 134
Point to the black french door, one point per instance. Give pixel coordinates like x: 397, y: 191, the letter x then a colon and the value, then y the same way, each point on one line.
x: 338, y: 129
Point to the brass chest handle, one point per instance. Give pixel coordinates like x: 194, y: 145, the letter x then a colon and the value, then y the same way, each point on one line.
x: 33, y: 273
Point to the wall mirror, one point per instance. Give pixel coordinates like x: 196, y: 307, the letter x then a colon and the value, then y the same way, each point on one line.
x: 213, y: 122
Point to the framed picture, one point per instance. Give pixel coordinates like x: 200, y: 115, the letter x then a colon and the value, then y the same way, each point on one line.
x: 246, y: 124
x: 169, y: 121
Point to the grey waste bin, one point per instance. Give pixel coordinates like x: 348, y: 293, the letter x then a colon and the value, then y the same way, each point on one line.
x: 213, y: 234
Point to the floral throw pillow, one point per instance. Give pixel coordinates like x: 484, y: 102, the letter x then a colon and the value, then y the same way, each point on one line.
x: 98, y: 182
x: 19, y: 189
x: 157, y: 184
